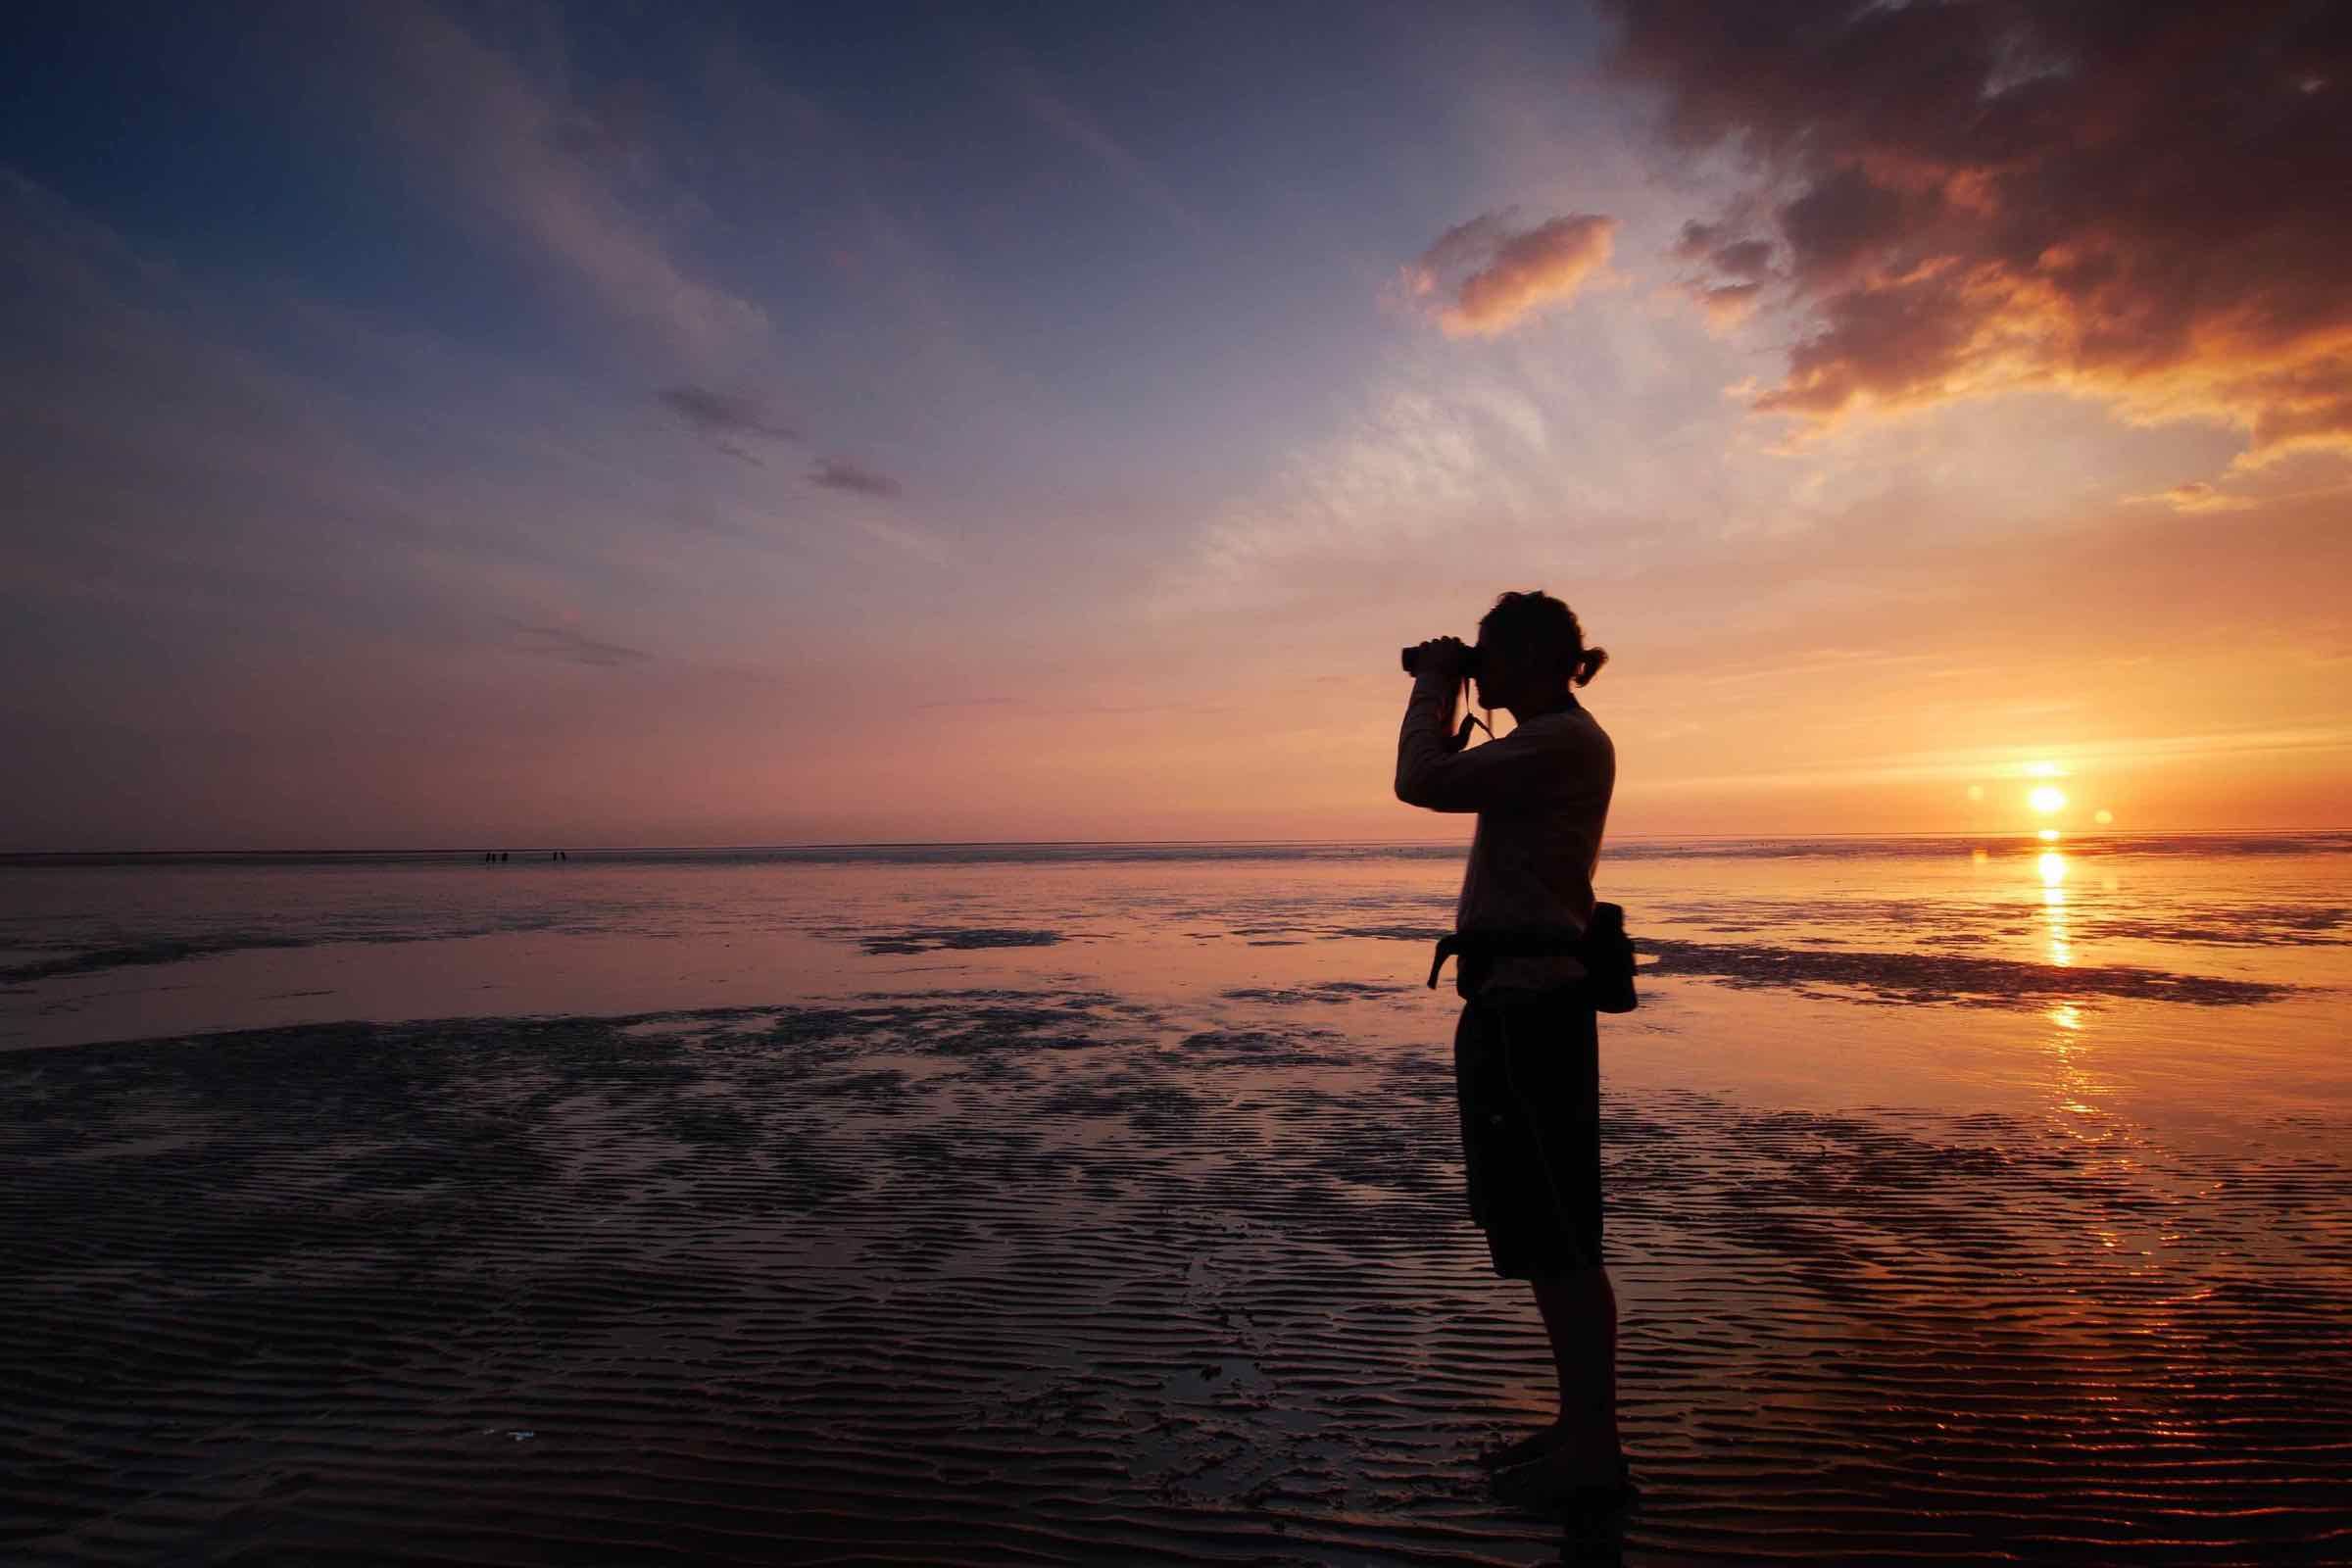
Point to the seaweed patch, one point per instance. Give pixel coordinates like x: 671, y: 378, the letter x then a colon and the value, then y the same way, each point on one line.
x: 1927, y: 977
x: 957, y: 938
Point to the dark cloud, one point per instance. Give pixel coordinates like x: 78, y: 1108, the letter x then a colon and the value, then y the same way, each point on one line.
x: 839, y: 473
x: 1846, y: 223
x: 1751, y: 260
x: 1698, y: 240
x: 721, y: 417
x: 562, y: 641
x: 2134, y: 199
x: 1733, y: 271
x: 1485, y: 274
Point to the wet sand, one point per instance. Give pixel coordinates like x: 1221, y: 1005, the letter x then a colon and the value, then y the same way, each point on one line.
x: 1052, y: 1275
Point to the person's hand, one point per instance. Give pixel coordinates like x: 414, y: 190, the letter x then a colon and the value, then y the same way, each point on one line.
x: 1441, y: 659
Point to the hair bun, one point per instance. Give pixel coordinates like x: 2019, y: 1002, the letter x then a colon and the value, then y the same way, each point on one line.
x: 1588, y: 662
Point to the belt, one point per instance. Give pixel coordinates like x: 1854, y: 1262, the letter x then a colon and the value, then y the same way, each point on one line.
x: 1477, y: 945
x: 1602, y: 947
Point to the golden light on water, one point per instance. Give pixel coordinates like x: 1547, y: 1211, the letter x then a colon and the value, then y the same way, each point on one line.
x: 2052, y: 866
x: 2047, y: 799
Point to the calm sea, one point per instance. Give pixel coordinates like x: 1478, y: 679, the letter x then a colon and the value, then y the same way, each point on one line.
x: 2175, y: 974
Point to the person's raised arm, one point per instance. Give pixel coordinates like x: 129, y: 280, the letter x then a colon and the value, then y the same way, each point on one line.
x: 1432, y: 768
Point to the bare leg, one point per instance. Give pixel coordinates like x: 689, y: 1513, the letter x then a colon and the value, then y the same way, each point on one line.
x: 1579, y: 1317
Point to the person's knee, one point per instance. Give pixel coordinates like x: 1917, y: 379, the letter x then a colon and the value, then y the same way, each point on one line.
x: 1578, y: 1283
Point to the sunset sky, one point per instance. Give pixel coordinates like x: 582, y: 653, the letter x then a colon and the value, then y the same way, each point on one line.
x: 665, y: 425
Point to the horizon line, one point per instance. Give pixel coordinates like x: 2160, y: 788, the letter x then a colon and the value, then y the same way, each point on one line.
x: 953, y: 843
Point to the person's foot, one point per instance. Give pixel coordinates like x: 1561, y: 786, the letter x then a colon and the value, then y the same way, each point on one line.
x: 1534, y: 1445
x: 1568, y: 1476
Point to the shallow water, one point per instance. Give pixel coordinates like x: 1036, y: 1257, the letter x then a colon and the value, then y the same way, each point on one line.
x: 1095, y: 1205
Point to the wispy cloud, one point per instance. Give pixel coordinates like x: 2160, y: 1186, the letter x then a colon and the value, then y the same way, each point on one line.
x: 721, y: 415
x: 1132, y: 174
x: 2197, y: 495
x: 521, y: 151
x: 1991, y: 762
x: 573, y: 646
x: 1486, y: 276
x: 840, y: 473
x: 1426, y: 460
x: 915, y: 542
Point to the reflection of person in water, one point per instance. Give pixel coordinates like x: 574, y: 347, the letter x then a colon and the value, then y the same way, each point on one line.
x: 1526, y: 1050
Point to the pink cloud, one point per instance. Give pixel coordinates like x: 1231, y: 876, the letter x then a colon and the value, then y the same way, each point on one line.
x: 1488, y: 276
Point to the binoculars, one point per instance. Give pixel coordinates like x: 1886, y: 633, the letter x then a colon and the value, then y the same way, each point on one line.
x: 1469, y: 661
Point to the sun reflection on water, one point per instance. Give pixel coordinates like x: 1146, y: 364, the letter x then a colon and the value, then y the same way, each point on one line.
x: 2074, y: 1089
x: 2053, y: 868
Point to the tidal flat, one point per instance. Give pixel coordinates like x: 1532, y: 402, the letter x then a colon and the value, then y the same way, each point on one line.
x: 1147, y: 1244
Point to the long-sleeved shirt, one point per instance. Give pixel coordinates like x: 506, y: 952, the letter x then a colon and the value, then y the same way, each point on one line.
x: 1542, y: 795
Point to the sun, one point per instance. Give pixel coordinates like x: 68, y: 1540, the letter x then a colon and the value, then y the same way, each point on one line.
x: 2047, y: 799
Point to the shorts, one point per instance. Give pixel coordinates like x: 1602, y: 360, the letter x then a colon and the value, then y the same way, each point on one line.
x: 1527, y: 1073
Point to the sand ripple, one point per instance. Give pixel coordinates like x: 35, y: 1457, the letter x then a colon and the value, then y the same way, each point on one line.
x: 1041, y: 1278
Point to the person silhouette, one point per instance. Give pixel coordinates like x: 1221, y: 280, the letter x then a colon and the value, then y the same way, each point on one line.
x: 1527, y: 1045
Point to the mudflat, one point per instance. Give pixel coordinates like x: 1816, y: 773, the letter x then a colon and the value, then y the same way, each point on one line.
x: 1048, y: 1275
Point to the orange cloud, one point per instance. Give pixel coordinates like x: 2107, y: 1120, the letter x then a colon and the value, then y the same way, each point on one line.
x: 2198, y: 496
x: 2107, y: 197
x: 1729, y: 304
x: 1489, y: 277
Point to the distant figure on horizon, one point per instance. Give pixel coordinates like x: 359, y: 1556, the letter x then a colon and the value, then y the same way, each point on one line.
x: 1526, y: 1051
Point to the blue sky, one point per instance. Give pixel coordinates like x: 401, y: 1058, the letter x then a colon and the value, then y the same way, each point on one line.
x: 441, y: 425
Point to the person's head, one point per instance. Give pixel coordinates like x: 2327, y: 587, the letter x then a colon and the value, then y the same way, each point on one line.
x: 1530, y: 650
